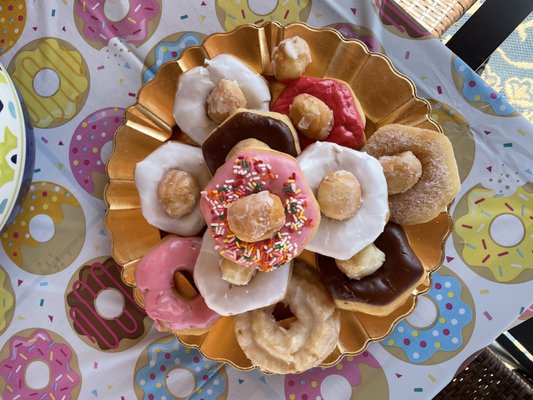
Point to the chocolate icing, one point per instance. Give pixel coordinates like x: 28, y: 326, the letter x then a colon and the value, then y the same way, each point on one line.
x: 245, y: 125
x: 400, y: 271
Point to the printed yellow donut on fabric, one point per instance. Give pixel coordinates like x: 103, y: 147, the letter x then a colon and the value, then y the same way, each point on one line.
x: 7, y: 300
x: 232, y: 13
x: 50, y: 110
x: 12, y: 21
x: 497, y: 232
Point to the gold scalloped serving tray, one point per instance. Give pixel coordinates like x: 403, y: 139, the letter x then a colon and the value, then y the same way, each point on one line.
x: 386, y: 96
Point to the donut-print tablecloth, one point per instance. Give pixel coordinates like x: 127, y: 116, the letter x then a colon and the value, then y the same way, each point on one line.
x: 69, y: 327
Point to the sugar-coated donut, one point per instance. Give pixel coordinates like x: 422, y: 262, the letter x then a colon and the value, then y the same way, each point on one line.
x: 439, y: 183
x: 342, y: 239
x: 98, y: 331
x: 90, y: 147
x: 383, y: 291
x: 273, y: 129
x: 264, y: 289
x: 348, y: 117
x: 150, y: 171
x: 11, y: 23
x: 49, y: 111
x: 29, y: 346
x: 167, y: 355
x: 308, y: 340
x: 154, y: 276
x: 100, y: 21
x: 7, y: 301
x: 51, y: 222
x: 195, y: 85
x: 445, y: 333
x: 251, y: 171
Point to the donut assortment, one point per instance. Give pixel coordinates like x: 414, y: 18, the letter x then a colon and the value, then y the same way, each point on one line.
x: 264, y: 202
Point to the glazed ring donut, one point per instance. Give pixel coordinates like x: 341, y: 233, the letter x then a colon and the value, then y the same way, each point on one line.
x: 48, y: 110
x: 40, y: 345
x: 90, y: 147
x: 258, y: 170
x: 11, y: 23
x: 439, y: 182
x: 308, y: 340
x: 154, y: 276
x: 98, y: 21
x: 100, y: 331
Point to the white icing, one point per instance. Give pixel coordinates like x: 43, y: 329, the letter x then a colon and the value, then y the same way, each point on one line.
x: 195, y: 85
x: 343, y: 239
x: 148, y: 173
x: 264, y: 289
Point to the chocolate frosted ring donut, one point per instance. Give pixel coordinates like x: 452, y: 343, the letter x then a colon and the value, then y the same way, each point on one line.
x: 383, y: 291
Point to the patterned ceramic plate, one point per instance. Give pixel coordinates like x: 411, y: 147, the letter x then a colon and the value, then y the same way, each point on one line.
x: 386, y: 97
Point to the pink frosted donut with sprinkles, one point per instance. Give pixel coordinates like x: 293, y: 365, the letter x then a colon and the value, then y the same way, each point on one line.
x: 39, y: 346
x: 90, y: 147
x: 252, y: 171
x: 99, y: 21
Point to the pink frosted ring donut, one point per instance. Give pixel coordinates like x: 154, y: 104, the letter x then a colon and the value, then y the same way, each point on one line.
x: 98, y: 29
x: 91, y: 145
x: 154, y: 276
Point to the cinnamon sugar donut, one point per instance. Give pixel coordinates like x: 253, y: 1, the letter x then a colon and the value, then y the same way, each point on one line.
x: 439, y: 182
x: 307, y: 341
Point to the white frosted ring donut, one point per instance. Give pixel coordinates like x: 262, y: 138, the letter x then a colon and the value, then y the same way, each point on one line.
x: 265, y: 288
x: 309, y: 339
x: 195, y: 85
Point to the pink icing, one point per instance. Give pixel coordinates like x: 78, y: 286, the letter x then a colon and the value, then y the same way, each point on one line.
x: 90, y: 136
x: 251, y: 171
x: 133, y: 27
x: 154, y: 276
x: 301, y: 385
x: 38, y: 347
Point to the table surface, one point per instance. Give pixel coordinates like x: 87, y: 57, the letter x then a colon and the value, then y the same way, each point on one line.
x: 57, y: 278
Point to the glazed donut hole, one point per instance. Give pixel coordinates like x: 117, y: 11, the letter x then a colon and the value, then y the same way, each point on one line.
x: 178, y: 193
x: 339, y: 195
x: 256, y: 217
x: 225, y: 98
x: 311, y: 116
x: 363, y: 263
x: 246, y: 143
x: 290, y: 58
x: 234, y: 273
x: 184, y: 285
x: 401, y: 171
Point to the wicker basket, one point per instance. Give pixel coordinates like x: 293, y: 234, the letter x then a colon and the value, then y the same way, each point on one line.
x: 487, y: 377
x: 436, y: 15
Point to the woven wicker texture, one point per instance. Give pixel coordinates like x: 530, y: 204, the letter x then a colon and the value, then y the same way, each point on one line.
x: 487, y: 377
x: 436, y: 15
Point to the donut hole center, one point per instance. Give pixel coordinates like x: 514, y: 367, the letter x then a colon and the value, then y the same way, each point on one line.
x: 425, y: 313
x: 184, y: 284
x: 42, y: 228
x: 46, y: 82
x: 116, y: 10
x: 180, y: 382
x: 262, y: 7
x: 283, y: 314
x: 105, y: 152
x: 336, y: 387
x: 507, y: 230
x: 109, y: 303
x: 37, y: 375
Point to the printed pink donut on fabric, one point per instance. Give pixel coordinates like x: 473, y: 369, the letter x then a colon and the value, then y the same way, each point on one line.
x: 154, y: 276
x: 90, y: 147
x: 40, y: 347
x: 308, y: 385
x: 99, y: 22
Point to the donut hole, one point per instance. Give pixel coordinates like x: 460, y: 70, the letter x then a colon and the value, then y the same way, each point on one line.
x: 180, y: 382
x: 283, y: 315
x: 262, y: 7
x: 116, y: 10
x: 507, y: 230
x: 42, y: 228
x: 336, y: 387
x: 105, y: 151
x: 184, y: 284
x: 425, y: 314
x: 37, y: 375
x: 109, y: 303
x: 46, y: 82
